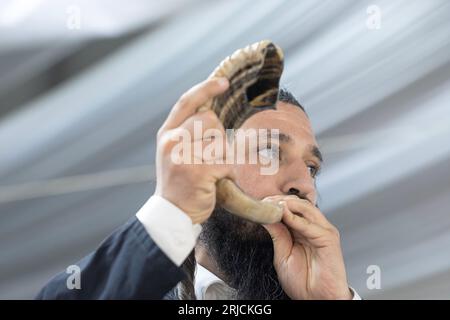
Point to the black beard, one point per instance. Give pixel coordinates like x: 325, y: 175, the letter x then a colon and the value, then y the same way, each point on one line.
x: 243, y: 252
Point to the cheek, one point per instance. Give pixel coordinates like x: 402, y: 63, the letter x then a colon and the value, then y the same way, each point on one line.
x: 253, y: 183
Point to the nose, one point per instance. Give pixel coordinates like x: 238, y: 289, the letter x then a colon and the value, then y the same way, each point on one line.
x: 296, y: 192
x: 300, y: 184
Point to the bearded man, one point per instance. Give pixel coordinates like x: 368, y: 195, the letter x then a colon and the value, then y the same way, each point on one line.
x: 182, y: 245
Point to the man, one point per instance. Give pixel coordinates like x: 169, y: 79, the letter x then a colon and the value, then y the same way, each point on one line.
x: 297, y: 258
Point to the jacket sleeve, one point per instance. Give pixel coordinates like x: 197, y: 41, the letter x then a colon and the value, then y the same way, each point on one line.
x: 127, y: 265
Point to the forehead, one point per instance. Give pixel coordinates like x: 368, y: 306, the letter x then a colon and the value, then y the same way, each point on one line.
x: 288, y: 118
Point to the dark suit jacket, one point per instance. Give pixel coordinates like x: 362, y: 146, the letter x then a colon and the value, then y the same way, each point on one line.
x: 127, y: 265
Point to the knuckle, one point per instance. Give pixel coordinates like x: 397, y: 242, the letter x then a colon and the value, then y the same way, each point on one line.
x: 210, y: 116
x: 214, y: 122
x: 335, y: 232
x: 160, y: 132
x: 209, y: 84
x: 166, y: 142
x: 184, y: 98
x: 166, y: 146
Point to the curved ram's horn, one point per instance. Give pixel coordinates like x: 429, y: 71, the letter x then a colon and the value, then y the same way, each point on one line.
x: 254, y: 73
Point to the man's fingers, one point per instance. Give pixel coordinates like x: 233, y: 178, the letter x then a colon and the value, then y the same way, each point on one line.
x: 313, y: 233
x: 303, y: 207
x: 308, y: 211
x: 201, y: 122
x: 207, y: 136
x: 195, y: 97
x: 282, y: 240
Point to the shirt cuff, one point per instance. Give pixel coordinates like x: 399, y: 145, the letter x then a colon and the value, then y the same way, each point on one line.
x: 169, y: 227
x: 356, y: 296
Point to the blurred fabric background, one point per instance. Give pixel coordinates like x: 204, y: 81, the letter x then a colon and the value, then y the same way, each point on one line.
x: 84, y: 86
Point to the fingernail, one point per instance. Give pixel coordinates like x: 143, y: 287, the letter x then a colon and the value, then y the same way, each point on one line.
x: 223, y: 82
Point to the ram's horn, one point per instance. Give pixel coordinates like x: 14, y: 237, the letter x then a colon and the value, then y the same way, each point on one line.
x: 254, y: 74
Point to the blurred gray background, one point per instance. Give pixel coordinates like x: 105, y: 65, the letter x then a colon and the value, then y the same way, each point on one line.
x: 84, y: 86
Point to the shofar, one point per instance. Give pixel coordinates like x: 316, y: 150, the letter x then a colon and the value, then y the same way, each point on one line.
x: 254, y: 74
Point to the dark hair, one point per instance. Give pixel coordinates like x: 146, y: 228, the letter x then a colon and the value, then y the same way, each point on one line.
x: 185, y: 289
x: 286, y: 96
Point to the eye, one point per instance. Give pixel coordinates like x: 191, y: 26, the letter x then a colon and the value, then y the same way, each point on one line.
x: 313, y: 170
x: 269, y: 152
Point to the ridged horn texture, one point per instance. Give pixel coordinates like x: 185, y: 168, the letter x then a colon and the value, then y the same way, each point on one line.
x: 254, y: 74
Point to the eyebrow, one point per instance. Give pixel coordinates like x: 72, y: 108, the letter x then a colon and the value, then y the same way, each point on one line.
x: 281, y: 136
x: 315, y: 151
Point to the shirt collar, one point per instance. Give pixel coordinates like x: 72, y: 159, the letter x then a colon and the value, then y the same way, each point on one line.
x: 210, y: 287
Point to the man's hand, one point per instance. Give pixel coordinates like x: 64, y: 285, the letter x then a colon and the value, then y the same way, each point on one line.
x: 307, y: 252
x: 191, y: 187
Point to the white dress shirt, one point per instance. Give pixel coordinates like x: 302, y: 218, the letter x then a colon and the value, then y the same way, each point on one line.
x: 172, y: 230
x: 209, y: 287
